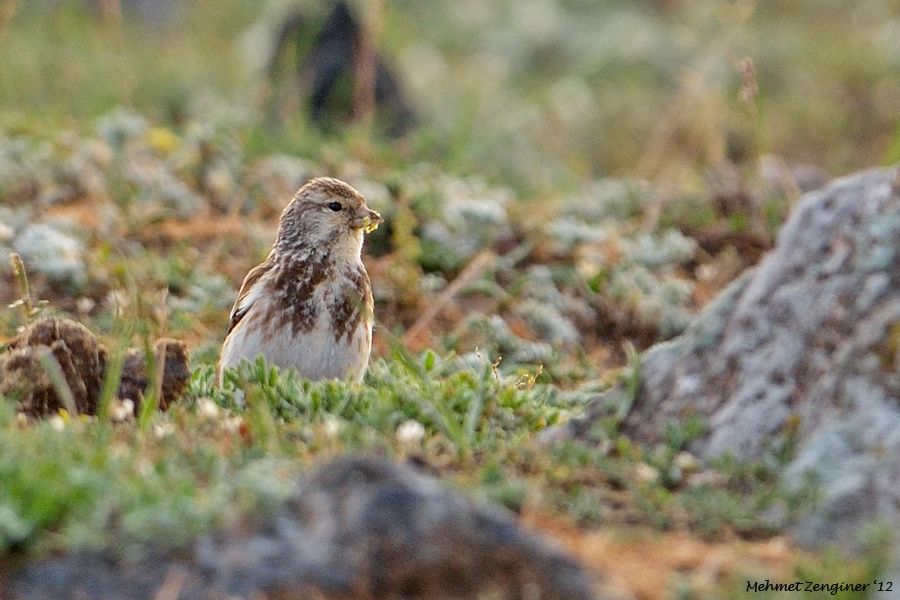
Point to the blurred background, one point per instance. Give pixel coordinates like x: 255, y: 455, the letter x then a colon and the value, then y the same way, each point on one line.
x: 534, y: 93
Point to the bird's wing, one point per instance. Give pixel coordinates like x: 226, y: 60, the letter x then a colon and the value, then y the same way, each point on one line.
x: 247, y: 297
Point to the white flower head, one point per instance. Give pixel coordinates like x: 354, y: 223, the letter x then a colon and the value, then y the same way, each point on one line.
x: 410, y: 432
x: 161, y: 430
x: 332, y: 427
x: 207, y: 409
x: 122, y: 410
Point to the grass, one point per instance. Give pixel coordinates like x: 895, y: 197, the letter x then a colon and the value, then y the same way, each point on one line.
x: 479, y: 428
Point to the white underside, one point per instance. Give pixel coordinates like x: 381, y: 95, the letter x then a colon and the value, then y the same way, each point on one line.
x: 314, y: 354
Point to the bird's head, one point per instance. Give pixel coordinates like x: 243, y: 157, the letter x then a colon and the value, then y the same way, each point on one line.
x: 326, y: 213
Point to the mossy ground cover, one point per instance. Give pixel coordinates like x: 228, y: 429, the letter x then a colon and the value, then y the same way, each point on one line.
x: 588, y: 195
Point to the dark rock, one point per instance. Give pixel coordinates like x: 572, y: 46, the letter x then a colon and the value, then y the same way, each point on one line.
x: 356, y: 528
x: 82, y: 360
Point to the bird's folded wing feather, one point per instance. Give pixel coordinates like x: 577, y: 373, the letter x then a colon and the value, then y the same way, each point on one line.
x: 248, y: 295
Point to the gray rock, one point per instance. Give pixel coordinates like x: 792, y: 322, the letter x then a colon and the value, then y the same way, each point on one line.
x: 802, y: 347
x: 120, y: 126
x: 355, y: 528
x: 48, y: 251
x: 802, y: 350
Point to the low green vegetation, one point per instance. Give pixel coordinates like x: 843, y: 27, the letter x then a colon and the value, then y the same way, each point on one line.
x: 72, y: 482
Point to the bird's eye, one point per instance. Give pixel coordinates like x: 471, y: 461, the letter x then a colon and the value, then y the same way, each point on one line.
x: 335, y: 206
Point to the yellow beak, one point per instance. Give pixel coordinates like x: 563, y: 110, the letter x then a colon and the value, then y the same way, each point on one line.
x: 366, y: 219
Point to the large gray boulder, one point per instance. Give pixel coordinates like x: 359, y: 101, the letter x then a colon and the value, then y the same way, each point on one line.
x: 356, y: 528
x: 804, y: 349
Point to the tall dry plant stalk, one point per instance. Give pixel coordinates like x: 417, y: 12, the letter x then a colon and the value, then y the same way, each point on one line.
x: 691, y: 129
x: 21, y: 277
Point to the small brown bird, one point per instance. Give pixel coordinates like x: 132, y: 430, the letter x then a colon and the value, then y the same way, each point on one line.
x: 308, y: 306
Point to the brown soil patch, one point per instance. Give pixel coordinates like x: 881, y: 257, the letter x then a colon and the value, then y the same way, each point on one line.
x: 646, y: 564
